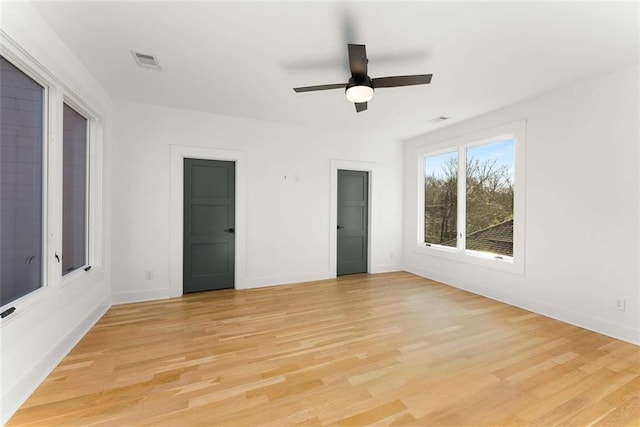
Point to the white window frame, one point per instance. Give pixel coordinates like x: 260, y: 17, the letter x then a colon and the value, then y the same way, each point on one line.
x: 84, y: 110
x: 34, y: 71
x: 515, y: 264
x: 55, y: 95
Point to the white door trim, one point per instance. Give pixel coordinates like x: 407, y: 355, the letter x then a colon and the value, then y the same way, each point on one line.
x: 178, y: 154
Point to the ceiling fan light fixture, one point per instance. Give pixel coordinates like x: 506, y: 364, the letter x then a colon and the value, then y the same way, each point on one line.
x: 359, y: 93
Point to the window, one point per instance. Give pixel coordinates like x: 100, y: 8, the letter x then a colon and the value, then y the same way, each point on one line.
x: 489, y: 198
x: 49, y: 191
x: 472, y: 198
x: 487, y: 208
x: 74, y: 190
x: 441, y: 199
x: 21, y: 179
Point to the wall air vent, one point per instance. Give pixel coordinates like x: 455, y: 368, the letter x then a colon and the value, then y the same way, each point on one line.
x: 145, y: 60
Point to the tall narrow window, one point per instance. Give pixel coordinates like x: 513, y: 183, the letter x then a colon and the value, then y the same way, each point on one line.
x: 74, y: 191
x: 441, y: 199
x: 489, y: 198
x: 21, y: 179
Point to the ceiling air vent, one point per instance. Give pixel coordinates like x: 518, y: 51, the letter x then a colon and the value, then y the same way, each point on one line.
x: 438, y: 119
x: 145, y: 60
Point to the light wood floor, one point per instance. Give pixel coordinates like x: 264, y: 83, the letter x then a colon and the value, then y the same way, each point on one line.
x: 386, y: 349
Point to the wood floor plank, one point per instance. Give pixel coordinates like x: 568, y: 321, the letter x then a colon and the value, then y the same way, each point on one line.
x: 384, y: 349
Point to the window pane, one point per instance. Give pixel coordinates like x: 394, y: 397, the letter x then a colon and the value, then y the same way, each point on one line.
x: 441, y: 199
x: 74, y: 182
x: 21, y: 130
x: 489, y: 216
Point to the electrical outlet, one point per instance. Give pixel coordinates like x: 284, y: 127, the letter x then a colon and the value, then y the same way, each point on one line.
x: 620, y: 304
x: 148, y: 275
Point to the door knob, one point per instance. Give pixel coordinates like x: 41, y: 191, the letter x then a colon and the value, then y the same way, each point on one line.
x: 339, y: 227
x: 230, y: 230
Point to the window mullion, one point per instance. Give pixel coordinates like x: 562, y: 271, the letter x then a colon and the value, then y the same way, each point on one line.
x: 421, y: 202
x: 54, y: 186
x: 462, y: 199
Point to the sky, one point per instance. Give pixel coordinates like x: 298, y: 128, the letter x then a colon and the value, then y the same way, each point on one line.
x: 502, y: 151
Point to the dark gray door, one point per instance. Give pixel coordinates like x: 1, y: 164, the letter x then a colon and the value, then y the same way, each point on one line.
x: 209, y: 225
x: 353, y: 212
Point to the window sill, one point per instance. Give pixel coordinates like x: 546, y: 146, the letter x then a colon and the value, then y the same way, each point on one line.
x: 512, y: 265
x: 75, y: 275
x: 23, y: 305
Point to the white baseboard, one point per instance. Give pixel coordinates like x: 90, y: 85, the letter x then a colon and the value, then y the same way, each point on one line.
x: 386, y: 268
x: 140, y: 296
x: 260, y: 282
x: 248, y: 283
x: 18, y: 394
x: 602, y: 326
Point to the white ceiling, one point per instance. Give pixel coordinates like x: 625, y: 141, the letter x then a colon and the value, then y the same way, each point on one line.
x: 244, y: 58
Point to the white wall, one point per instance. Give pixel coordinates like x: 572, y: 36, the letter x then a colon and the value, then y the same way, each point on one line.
x: 287, y: 235
x: 47, y: 325
x: 582, y: 207
x: 582, y: 196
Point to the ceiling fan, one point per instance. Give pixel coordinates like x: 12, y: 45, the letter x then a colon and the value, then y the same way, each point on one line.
x: 360, y: 87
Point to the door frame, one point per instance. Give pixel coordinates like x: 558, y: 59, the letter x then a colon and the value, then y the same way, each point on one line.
x: 178, y: 154
x: 369, y: 167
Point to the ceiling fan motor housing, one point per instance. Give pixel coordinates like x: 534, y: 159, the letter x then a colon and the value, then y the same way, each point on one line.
x: 359, y: 81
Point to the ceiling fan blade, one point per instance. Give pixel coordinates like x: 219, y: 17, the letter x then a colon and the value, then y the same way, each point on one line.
x: 358, y: 60
x: 360, y: 106
x: 395, y: 81
x: 320, y: 87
